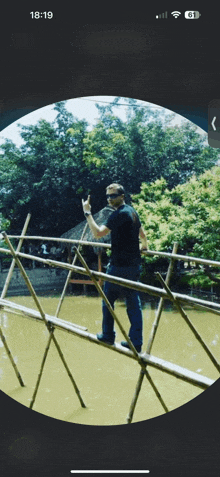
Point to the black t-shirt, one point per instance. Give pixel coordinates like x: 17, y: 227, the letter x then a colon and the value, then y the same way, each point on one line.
x: 124, y: 224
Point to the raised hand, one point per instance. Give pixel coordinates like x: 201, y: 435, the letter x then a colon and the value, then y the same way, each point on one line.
x: 86, y: 205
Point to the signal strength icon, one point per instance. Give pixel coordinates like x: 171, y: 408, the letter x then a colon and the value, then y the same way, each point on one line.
x: 162, y: 15
x: 176, y: 14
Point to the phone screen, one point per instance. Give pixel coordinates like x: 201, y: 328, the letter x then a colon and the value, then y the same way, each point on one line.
x: 142, y: 86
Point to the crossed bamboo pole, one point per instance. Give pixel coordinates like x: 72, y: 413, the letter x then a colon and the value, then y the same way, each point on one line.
x: 3, y: 294
x: 184, y: 258
x: 50, y: 329
x: 131, y: 346
x: 69, y: 274
x: 177, y: 371
x: 189, y: 323
x: 102, y: 294
x: 197, y: 302
x: 151, y: 340
x: 162, y: 293
x: 159, y: 292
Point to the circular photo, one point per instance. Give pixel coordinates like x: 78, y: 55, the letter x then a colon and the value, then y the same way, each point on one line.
x: 109, y: 260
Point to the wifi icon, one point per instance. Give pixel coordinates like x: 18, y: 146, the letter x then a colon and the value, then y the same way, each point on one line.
x: 176, y: 14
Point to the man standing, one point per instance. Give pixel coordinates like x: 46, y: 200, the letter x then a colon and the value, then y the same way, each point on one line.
x: 126, y: 229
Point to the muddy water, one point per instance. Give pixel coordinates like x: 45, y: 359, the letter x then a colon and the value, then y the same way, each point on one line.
x: 106, y: 380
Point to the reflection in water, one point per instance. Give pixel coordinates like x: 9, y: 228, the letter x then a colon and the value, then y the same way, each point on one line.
x: 4, y: 320
x: 215, y: 341
x: 106, y: 380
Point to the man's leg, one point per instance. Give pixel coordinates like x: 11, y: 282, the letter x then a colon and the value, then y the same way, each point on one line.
x: 134, y: 311
x: 112, y: 292
x: 134, y: 308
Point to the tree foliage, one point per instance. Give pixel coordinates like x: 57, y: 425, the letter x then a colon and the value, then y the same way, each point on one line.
x: 61, y: 162
x: 188, y: 214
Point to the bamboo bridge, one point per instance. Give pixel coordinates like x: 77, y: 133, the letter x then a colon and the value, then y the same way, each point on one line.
x: 145, y: 359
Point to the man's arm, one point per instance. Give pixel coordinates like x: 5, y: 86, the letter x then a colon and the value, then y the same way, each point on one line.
x: 97, y: 231
x: 144, y: 244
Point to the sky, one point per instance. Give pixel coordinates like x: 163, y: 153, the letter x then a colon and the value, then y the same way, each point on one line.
x: 81, y: 108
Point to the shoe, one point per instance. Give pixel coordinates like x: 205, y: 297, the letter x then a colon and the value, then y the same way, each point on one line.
x: 103, y: 339
x: 126, y: 345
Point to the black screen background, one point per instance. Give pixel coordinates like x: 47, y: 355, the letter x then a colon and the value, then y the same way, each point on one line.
x: 132, y: 55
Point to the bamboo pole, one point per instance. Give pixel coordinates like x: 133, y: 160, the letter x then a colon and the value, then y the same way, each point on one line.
x: 197, y: 302
x: 52, y: 330
x: 11, y: 359
x: 102, y: 294
x: 161, y: 302
x: 62, y: 240
x: 69, y: 275
x: 31, y: 289
x: 158, y: 363
x: 144, y: 372
x: 11, y: 269
x: 159, y: 292
x: 150, y: 342
x: 42, y: 367
x: 155, y: 390
x: 122, y: 330
x: 3, y: 294
x: 189, y: 323
x: 185, y: 258
x: 98, y: 275
x: 140, y: 362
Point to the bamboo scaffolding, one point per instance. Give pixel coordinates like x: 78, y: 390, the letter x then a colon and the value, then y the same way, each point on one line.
x: 174, y: 370
x: 42, y: 366
x: 102, y: 294
x: 3, y: 294
x: 131, y: 346
x: 52, y: 328
x: 161, y: 302
x: 165, y: 293
x: 61, y: 240
x: 31, y: 289
x: 184, y: 258
x: 11, y: 359
x: 69, y: 276
x: 159, y: 292
x: 150, y: 342
x: 13, y: 263
x: 189, y: 323
x: 146, y: 373
x: 143, y: 370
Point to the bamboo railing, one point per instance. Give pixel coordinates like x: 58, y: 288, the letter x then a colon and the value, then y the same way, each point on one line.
x: 3, y: 294
x: 144, y: 359
x: 173, y: 256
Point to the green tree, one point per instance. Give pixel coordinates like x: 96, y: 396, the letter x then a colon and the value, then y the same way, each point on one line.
x: 188, y: 214
x: 145, y: 147
x: 44, y: 176
x: 61, y: 162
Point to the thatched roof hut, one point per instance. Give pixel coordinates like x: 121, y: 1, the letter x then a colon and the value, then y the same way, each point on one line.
x: 100, y: 218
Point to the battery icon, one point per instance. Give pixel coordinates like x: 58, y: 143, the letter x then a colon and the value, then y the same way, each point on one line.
x: 190, y: 15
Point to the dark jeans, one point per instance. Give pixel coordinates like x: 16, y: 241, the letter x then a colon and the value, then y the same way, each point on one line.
x: 133, y: 303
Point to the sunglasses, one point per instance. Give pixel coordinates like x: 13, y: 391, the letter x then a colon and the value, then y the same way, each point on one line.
x: 112, y: 196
